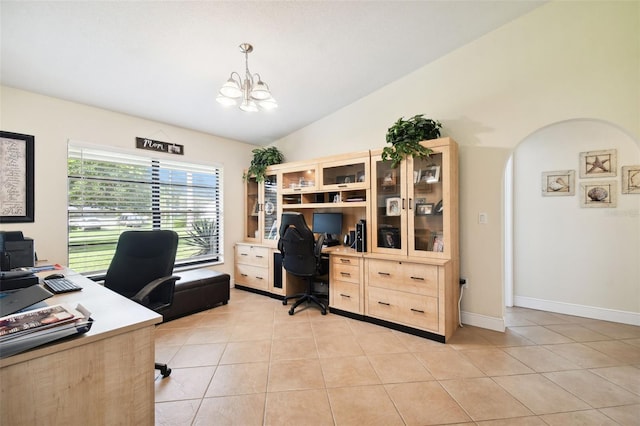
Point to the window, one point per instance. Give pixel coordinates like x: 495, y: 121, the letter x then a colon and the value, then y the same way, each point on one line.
x: 112, y: 191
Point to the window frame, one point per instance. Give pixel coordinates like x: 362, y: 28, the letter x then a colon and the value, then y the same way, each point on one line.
x: 158, y: 163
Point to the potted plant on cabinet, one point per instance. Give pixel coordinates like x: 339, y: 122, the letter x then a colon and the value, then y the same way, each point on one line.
x: 405, y: 136
x: 263, y: 158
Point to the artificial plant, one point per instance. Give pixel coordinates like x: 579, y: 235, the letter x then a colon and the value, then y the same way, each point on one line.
x: 262, y: 158
x: 405, y: 136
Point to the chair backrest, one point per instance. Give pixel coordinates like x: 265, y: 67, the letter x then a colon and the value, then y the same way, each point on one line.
x: 140, y: 258
x: 300, y: 251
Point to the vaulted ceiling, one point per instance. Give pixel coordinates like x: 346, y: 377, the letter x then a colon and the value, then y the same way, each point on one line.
x: 166, y: 60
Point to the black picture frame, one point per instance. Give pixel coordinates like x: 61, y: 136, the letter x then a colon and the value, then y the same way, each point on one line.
x: 16, y: 177
x: 424, y: 209
x: 389, y: 238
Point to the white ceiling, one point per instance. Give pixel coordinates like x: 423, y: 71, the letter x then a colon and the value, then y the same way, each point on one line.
x: 166, y: 60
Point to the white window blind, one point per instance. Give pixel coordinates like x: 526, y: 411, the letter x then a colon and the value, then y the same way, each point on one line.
x: 112, y: 191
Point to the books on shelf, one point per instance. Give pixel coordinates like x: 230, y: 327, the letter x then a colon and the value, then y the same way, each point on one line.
x: 29, y: 329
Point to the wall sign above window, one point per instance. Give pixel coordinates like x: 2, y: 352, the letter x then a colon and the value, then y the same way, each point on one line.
x: 158, y: 146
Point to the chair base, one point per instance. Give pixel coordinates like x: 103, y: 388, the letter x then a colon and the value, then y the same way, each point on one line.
x: 307, y: 296
x: 164, y: 369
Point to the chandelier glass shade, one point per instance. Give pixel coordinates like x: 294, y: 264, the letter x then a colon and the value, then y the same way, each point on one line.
x: 250, y: 92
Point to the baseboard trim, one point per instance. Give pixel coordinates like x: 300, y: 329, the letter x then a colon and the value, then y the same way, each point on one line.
x: 483, y: 321
x: 593, y: 312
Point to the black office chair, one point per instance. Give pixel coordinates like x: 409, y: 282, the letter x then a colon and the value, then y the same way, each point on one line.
x: 301, y: 257
x: 142, y: 268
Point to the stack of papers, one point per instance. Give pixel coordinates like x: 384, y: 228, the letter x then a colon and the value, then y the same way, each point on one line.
x: 29, y: 329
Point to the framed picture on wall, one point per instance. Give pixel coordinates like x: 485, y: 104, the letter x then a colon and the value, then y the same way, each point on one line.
x: 631, y: 179
x: 598, y: 164
x: 16, y: 177
x: 598, y: 194
x: 558, y: 183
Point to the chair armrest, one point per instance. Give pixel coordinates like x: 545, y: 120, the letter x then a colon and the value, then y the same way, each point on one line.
x: 142, y: 297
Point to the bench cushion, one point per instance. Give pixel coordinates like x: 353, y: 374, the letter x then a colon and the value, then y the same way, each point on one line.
x: 197, y: 290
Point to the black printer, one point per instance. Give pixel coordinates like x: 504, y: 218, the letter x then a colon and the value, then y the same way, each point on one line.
x: 16, y: 251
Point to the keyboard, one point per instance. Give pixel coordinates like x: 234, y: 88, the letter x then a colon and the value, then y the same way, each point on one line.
x: 61, y: 285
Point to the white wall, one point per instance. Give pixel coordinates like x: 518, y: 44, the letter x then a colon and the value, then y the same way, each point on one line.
x: 569, y: 258
x: 53, y: 122
x: 562, y: 61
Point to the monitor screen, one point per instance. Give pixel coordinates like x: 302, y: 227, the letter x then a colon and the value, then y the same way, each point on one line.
x: 327, y: 223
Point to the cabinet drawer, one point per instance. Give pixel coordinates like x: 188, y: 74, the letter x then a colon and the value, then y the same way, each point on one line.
x: 348, y: 273
x: 252, y: 276
x: 344, y: 260
x: 403, y: 276
x: 252, y: 255
x: 410, y: 309
x: 345, y: 296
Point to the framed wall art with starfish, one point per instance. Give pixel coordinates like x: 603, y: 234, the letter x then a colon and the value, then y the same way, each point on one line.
x: 598, y: 164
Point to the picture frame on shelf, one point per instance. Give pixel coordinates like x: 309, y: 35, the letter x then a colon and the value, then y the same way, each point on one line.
x: 424, y: 209
x: 630, y: 179
x: 393, y: 206
x: 438, y: 242
x: 598, y: 164
x: 389, y: 238
x: 559, y: 183
x: 598, y: 194
x: 345, y: 179
x: 389, y: 178
x: 430, y: 174
x: 255, y: 209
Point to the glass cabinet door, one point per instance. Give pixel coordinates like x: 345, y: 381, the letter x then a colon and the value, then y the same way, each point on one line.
x: 426, y: 228
x: 269, y: 208
x: 346, y: 174
x: 251, y: 208
x: 388, y: 228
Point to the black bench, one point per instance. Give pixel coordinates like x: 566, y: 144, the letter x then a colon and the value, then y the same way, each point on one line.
x: 197, y: 290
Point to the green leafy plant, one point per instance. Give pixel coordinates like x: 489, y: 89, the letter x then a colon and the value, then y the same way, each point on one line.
x: 201, y: 235
x: 405, y: 136
x: 262, y: 158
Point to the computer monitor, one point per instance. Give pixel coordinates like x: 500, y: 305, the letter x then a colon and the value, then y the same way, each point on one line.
x: 329, y: 224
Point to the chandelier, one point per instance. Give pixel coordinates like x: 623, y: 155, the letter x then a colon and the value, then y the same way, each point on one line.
x: 252, y: 92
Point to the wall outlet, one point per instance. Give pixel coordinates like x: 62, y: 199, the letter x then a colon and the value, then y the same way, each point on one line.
x: 483, y: 218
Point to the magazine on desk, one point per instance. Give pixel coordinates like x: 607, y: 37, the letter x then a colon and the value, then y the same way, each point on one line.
x: 29, y: 329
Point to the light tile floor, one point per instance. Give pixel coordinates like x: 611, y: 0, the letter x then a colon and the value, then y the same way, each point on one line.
x: 250, y: 363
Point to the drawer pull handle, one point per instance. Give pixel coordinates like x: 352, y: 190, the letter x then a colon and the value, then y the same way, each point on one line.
x: 345, y: 295
x: 417, y: 278
x: 342, y: 186
x: 386, y: 274
x: 345, y: 260
x: 260, y: 257
x: 417, y: 310
x: 345, y: 274
x: 384, y: 303
x: 244, y: 275
x: 260, y: 278
x: 243, y: 254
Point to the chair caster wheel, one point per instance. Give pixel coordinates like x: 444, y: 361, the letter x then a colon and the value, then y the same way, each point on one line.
x: 291, y: 311
x: 166, y: 373
x: 284, y: 302
x: 324, y: 312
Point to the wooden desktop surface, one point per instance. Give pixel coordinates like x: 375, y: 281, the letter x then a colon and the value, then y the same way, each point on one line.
x: 102, y: 377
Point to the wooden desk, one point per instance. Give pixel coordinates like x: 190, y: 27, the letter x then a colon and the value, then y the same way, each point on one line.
x: 103, y: 377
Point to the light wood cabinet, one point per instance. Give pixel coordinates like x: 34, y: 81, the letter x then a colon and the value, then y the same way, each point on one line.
x: 346, y: 282
x: 252, y: 266
x: 262, y: 210
x: 408, y: 277
x: 415, y: 206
